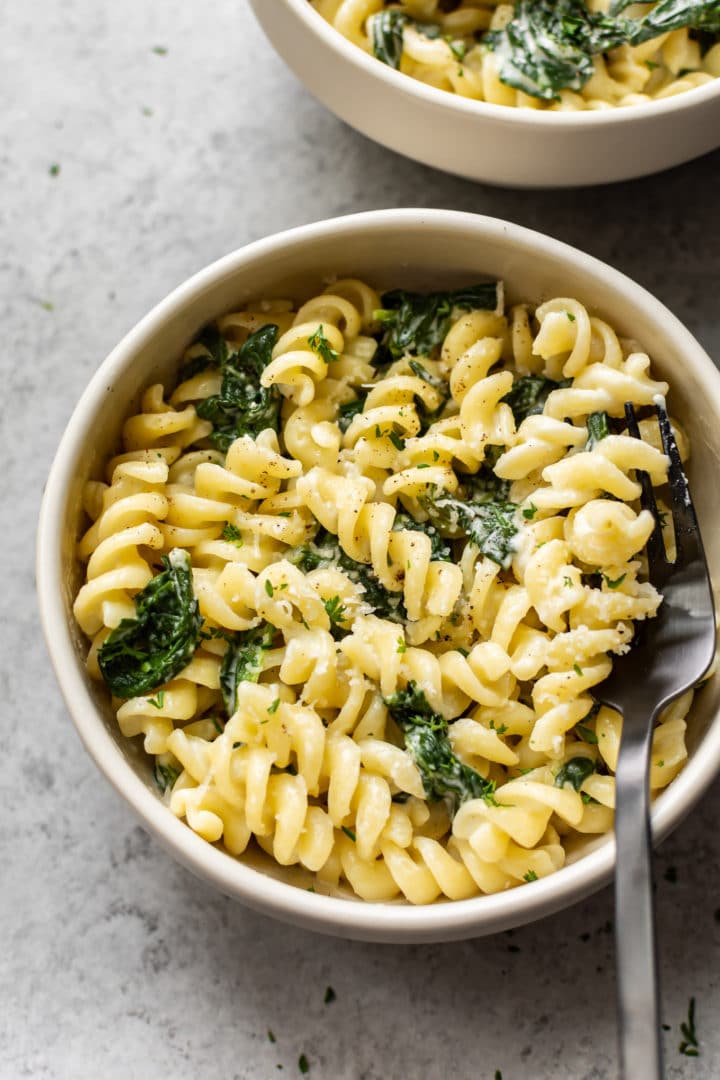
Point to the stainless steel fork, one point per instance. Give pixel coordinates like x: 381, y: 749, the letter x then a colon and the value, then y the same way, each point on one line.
x: 670, y: 653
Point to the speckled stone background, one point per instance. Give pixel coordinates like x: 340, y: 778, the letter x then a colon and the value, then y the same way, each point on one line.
x: 114, y: 961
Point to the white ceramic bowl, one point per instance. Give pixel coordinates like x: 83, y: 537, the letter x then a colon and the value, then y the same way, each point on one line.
x: 492, y: 143
x: 416, y: 249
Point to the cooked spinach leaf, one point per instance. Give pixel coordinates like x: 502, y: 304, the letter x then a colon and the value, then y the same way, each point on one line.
x: 425, y: 732
x: 429, y: 416
x: 142, y: 653
x: 575, y: 772
x: 243, y: 406
x: 438, y: 548
x: 387, y: 36
x: 416, y: 323
x: 216, y: 354
x: 549, y: 45
x: 351, y: 409
x: 528, y: 395
x: 325, y: 551
x: 489, y: 524
x: 243, y: 661
x: 484, y: 486
x: 598, y: 427
x: 702, y: 15
x: 165, y: 776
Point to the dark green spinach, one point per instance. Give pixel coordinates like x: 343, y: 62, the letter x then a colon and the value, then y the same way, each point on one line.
x: 549, y: 45
x: 325, y: 551
x: 243, y: 406
x: 528, y: 395
x: 439, y: 550
x: 387, y: 36
x: 243, y: 661
x: 575, y: 772
x: 488, y: 523
x: 141, y: 654
x: 416, y: 323
x: 425, y: 733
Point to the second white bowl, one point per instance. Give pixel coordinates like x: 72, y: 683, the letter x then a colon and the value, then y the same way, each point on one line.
x: 492, y: 143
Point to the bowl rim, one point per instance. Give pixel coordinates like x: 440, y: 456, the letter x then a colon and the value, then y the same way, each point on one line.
x: 432, y: 95
x: 392, y: 922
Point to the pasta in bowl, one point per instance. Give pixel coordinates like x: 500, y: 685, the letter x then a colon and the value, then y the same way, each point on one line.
x: 529, y: 94
x: 533, y: 54
x: 357, y: 560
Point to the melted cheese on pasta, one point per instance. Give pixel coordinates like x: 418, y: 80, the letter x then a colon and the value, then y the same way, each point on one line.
x: 454, y: 58
x: 310, y: 764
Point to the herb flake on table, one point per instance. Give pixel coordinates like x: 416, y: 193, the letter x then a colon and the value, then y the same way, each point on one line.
x: 689, y: 1045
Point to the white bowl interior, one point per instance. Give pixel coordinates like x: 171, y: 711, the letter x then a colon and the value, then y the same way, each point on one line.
x: 411, y: 248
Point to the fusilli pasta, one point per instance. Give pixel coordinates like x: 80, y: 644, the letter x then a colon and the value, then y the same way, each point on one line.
x: 367, y: 564
x: 538, y: 54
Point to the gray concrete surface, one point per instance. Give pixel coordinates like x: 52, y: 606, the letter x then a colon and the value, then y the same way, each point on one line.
x: 115, y: 963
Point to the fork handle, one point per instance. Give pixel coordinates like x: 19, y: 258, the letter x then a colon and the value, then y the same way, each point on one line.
x: 636, y: 961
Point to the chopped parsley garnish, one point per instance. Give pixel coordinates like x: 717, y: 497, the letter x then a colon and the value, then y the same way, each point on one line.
x: 349, y: 833
x: 271, y: 1036
x: 142, y: 653
x: 274, y: 707
x: 160, y: 50
x: 330, y: 995
x: 616, y: 583
x: 577, y: 669
x: 232, y: 534
x: 320, y: 345
x: 269, y: 587
x: 54, y: 170
x: 425, y: 732
x: 338, y: 614
x: 303, y: 1064
x: 530, y: 876
x: 529, y: 512
x: 157, y: 702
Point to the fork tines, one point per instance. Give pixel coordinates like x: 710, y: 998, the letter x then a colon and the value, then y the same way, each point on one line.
x: 655, y: 545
